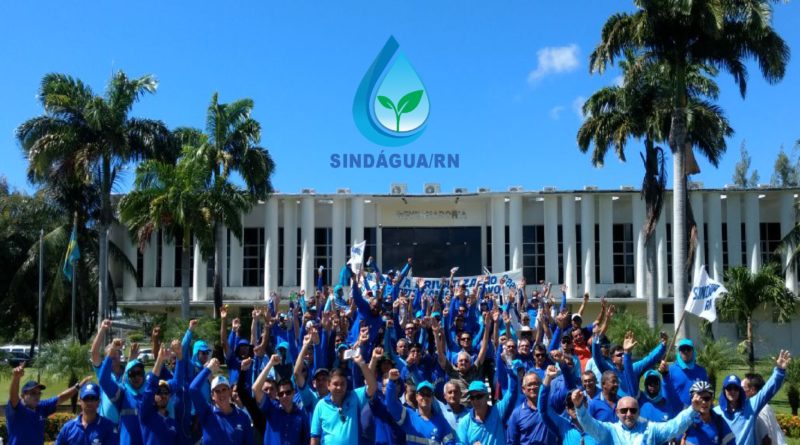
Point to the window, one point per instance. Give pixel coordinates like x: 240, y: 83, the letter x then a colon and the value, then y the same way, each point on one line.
x: 623, y: 253
x: 507, y: 250
x: 253, y: 257
x: 770, y: 238
x: 533, y: 253
x: 668, y: 314
x: 725, y: 260
x: 323, y: 251
x: 434, y: 249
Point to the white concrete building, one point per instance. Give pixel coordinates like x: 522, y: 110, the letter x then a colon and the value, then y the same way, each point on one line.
x: 287, y: 238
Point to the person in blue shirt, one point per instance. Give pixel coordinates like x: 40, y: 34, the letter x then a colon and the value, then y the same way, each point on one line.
x: 452, y: 409
x: 222, y: 423
x: 741, y: 412
x: 423, y: 425
x: 336, y: 417
x: 89, y: 427
x: 603, y: 406
x: 485, y: 423
x: 566, y: 426
x: 158, y: 427
x: 107, y: 409
x: 616, y: 364
x: 286, y: 422
x: 685, y: 371
x: 125, y: 395
x: 630, y: 429
x: 710, y: 428
x: 525, y: 426
x: 25, y: 415
x: 657, y: 403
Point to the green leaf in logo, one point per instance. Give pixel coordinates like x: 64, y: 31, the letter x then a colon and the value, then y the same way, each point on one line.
x: 386, y: 102
x: 409, y: 102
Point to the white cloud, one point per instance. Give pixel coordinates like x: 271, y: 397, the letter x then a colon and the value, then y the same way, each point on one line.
x: 555, y: 112
x: 555, y: 60
x: 619, y: 81
x: 577, y: 107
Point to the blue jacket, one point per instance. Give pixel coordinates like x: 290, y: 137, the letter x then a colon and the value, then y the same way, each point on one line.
x: 284, y: 428
x: 387, y: 431
x: 418, y: 430
x: 126, y: 399
x: 684, y: 374
x: 219, y: 428
x: 643, y: 433
x: 638, y: 368
x: 158, y: 429
x: 100, y: 432
x: 742, y: 420
x: 561, y: 426
x: 492, y: 431
x: 661, y: 406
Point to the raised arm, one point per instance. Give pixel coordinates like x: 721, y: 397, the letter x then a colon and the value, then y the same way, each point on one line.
x: 97, y: 343
x: 583, y: 304
x: 773, y: 385
x: 553, y: 421
x: 369, y: 376
x: 396, y: 410
x: 258, y: 386
x: 13, y: 388
x: 671, y: 429
x: 485, y: 342
x: 299, y: 379
x: 600, y: 431
x: 108, y: 385
x: 441, y: 354
x: 223, y: 329
x: 201, y: 405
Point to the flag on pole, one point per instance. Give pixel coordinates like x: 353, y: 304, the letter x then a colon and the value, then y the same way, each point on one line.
x: 73, y: 253
x: 357, y: 256
x: 705, y: 292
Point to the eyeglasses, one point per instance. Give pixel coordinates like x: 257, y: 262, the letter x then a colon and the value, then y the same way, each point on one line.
x: 465, y: 339
x: 706, y: 398
x: 285, y: 393
x: 628, y: 410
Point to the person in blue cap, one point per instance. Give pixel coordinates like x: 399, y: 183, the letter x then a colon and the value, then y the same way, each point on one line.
x: 158, y: 427
x: 423, y: 425
x: 741, y: 412
x: 485, y: 423
x: 685, y: 371
x: 25, y: 415
x: 222, y: 423
x: 89, y: 427
x: 710, y: 428
x: 125, y: 395
x: 563, y: 426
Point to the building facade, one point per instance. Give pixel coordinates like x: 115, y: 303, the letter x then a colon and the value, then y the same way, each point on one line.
x: 604, y: 251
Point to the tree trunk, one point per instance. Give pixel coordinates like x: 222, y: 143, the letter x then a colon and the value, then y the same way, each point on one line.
x: 678, y: 135
x: 751, y: 357
x: 105, y: 218
x: 218, y: 258
x: 650, y: 283
x: 185, y: 268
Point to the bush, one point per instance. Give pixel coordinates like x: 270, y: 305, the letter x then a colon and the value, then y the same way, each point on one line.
x: 646, y: 337
x: 789, y: 424
x: 52, y: 426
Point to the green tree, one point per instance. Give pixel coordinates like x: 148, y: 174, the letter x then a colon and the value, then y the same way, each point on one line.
x: 740, y: 172
x: 717, y: 356
x: 65, y: 359
x: 88, y: 138
x: 676, y: 36
x: 232, y: 147
x: 786, y: 172
x: 748, y: 292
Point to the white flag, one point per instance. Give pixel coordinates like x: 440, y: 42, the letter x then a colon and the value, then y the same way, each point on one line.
x: 703, y: 298
x: 357, y: 256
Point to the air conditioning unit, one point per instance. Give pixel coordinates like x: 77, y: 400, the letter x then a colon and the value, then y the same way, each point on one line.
x: 484, y: 190
x: 399, y: 189
x: 590, y: 188
x: 515, y: 189
x: 432, y: 189
x: 308, y: 191
x: 694, y: 185
x: 761, y: 186
x: 627, y: 188
x: 460, y: 190
x: 549, y: 189
x: 343, y: 191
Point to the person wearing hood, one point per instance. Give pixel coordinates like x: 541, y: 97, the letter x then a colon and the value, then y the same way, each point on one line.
x: 616, y: 364
x: 565, y: 426
x: 222, y: 422
x: 710, y: 428
x: 158, y: 427
x: 656, y: 401
x: 741, y: 412
x: 125, y: 395
x: 685, y: 371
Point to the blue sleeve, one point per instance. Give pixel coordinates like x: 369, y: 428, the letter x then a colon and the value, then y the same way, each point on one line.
x: 186, y: 344
x: 600, y: 431
x: 147, y: 406
x: 416, y: 303
x: 109, y: 386
x: 513, y: 429
x: 649, y: 361
x: 61, y: 439
x: 201, y: 405
x: 404, y: 272
x: 393, y: 403
x: 563, y: 302
x: 555, y: 423
x: 509, y: 400
x: 344, y: 276
x: 599, y: 361
x: 773, y: 385
x: 233, y: 339
x: 319, y: 283
x: 673, y: 401
x: 556, y: 340
x: 629, y: 382
x: 361, y: 304
x: 664, y: 431
x: 500, y: 370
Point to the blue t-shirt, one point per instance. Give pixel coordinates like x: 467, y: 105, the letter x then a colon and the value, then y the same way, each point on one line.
x: 25, y: 425
x: 100, y: 432
x: 716, y: 432
x: 336, y: 425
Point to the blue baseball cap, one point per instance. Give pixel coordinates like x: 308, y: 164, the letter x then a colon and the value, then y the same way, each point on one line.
x: 342, y: 346
x: 424, y: 385
x: 517, y: 364
x: 732, y: 380
x: 90, y: 390
x: 31, y: 385
x: 477, y: 386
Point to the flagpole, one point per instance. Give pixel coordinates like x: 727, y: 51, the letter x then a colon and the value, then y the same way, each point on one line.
x: 74, y: 278
x: 41, y: 294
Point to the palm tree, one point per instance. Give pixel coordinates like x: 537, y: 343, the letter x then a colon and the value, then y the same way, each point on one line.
x: 172, y: 198
x: 65, y: 359
x: 232, y: 147
x: 91, y: 137
x: 749, y: 291
x: 717, y: 356
x: 676, y: 36
x: 640, y: 109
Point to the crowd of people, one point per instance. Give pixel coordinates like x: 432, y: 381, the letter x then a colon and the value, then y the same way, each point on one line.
x: 365, y: 363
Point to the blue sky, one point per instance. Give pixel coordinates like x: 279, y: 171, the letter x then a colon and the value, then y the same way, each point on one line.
x: 504, y: 82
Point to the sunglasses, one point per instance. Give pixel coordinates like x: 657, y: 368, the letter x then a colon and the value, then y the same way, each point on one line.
x: 465, y: 339
x: 685, y: 350
x: 135, y: 374
x: 539, y: 355
x: 285, y: 393
x: 164, y: 393
x: 426, y: 394
x: 619, y: 354
x: 628, y: 410
x: 706, y: 398
x: 202, y: 352
x: 90, y: 399
x: 478, y: 396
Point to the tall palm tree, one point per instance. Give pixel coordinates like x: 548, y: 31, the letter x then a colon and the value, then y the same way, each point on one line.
x: 232, y: 147
x: 640, y: 109
x: 748, y: 292
x: 92, y: 137
x: 173, y: 199
x: 677, y: 35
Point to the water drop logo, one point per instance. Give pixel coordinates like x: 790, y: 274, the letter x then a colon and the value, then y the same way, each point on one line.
x: 391, y: 105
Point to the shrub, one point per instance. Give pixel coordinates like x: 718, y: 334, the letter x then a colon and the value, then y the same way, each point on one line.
x: 789, y: 424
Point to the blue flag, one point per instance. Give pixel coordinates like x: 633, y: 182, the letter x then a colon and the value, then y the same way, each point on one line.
x: 73, y: 253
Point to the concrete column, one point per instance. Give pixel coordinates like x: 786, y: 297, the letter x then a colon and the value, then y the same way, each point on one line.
x: 639, y: 253
x: 498, y: 234
x: 788, y: 222
x: 237, y: 258
x: 270, y: 247
x: 606, y: 239
x: 515, y: 230
x: 199, y: 280
x: 224, y: 266
x: 357, y: 221
x: 551, y: 238
x: 129, y: 285
x: 307, y: 244
x: 696, y: 199
x: 290, y: 242
x: 338, y: 235
x: 733, y: 208
x: 378, y: 244
x: 150, y: 256
x: 587, y: 242
x: 662, y: 274
x: 752, y: 230
x: 569, y: 244
x: 167, y: 262
x: 714, y: 236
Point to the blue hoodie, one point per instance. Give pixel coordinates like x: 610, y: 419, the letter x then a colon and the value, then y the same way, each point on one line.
x: 126, y: 399
x: 684, y: 374
x: 663, y: 405
x: 742, y: 420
